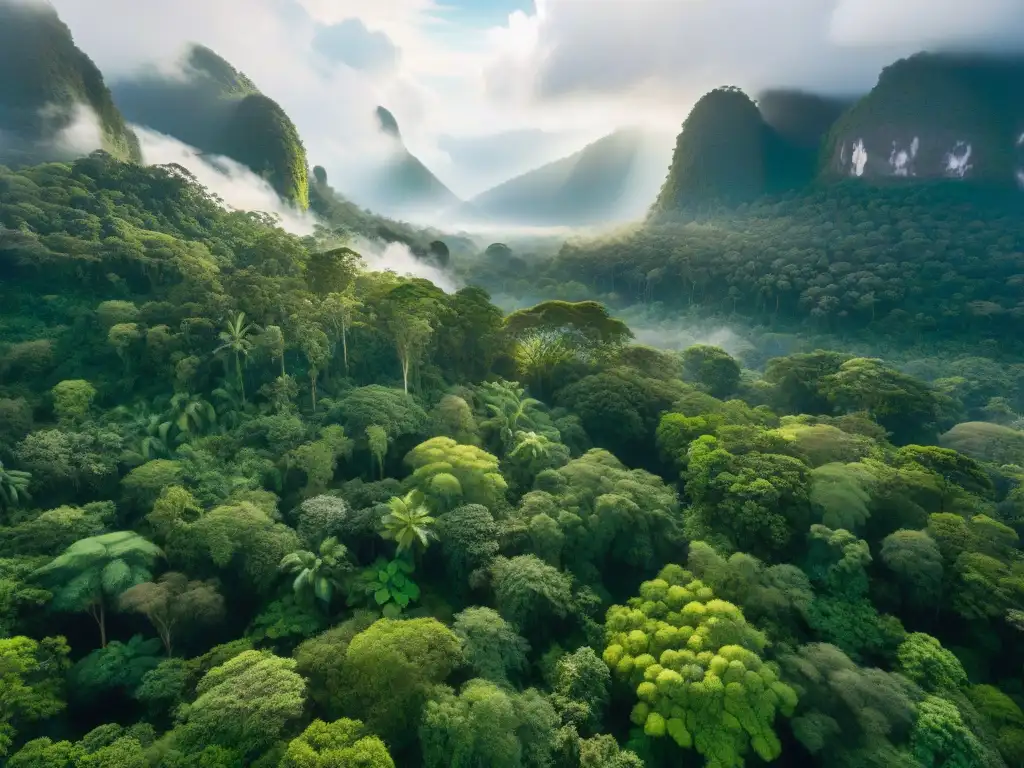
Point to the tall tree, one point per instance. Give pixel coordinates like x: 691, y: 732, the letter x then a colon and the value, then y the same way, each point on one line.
x: 236, y: 338
x: 92, y: 573
x: 174, y: 601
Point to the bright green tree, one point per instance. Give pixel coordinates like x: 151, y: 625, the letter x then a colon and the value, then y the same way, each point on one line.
x: 698, y: 670
x: 31, y: 683
x: 342, y: 744
x: 922, y: 659
x: 245, y: 704
x: 475, y: 471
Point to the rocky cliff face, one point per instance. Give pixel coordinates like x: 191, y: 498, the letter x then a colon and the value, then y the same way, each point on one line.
x: 935, y: 117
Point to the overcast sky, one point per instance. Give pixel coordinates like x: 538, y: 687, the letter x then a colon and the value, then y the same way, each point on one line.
x: 455, y: 71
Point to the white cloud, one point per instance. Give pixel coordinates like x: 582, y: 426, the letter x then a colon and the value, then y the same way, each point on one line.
x: 237, y: 186
x: 351, y: 42
x: 647, y: 50
x: 397, y: 258
x: 988, y: 23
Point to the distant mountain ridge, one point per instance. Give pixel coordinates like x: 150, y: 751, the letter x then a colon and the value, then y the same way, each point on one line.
x: 401, y: 185
x: 219, y: 110
x: 52, y: 80
x: 611, y: 179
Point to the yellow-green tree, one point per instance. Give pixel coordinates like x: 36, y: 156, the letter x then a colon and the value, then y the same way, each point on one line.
x: 698, y: 670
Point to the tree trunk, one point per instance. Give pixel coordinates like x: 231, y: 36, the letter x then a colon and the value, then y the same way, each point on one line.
x: 283, y: 374
x: 344, y: 345
x: 313, y: 372
x: 405, y: 372
x: 98, y: 613
x: 238, y: 373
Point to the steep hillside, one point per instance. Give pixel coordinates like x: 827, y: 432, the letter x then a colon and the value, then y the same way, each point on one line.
x: 934, y: 116
x: 219, y: 110
x: 401, y: 185
x: 719, y: 155
x: 46, y: 81
x: 614, y: 178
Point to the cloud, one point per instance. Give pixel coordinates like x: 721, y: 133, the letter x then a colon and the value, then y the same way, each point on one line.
x: 241, y: 189
x: 236, y: 186
x: 350, y: 42
x: 82, y: 135
x: 653, y: 49
x: 987, y: 24
x: 397, y: 258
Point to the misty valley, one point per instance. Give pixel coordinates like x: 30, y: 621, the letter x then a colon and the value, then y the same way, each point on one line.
x: 403, y: 386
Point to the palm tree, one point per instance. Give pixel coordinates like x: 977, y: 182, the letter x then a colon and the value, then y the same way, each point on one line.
x: 155, y: 438
x: 510, y: 409
x: 408, y: 523
x: 191, y: 414
x: 236, y: 338
x: 13, y: 487
x: 531, y: 444
x: 316, y: 573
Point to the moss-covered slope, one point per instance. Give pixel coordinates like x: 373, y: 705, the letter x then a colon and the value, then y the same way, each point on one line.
x: 44, y: 80
x: 719, y: 155
x: 217, y: 109
x: 933, y: 116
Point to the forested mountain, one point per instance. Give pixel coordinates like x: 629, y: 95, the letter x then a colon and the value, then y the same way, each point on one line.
x: 720, y: 155
x: 219, y: 110
x: 57, y: 93
x: 613, y: 179
x: 911, y: 261
x: 935, y: 116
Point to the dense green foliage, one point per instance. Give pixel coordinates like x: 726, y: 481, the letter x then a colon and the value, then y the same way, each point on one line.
x: 54, y: 78
x: 902, y: 263
x: 262, y: 506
